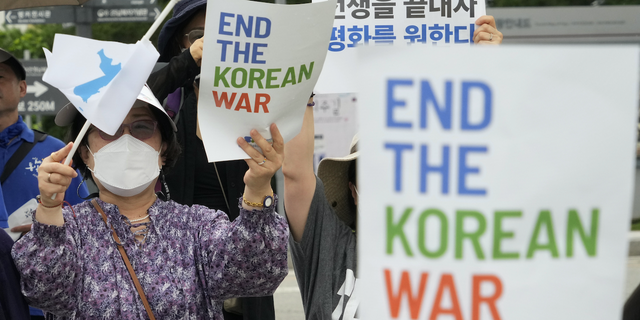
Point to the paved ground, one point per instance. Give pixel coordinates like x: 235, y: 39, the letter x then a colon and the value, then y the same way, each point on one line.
x: 288, y: 304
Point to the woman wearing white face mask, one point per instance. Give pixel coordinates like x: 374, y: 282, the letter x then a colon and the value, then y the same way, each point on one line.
x: 172, y: 261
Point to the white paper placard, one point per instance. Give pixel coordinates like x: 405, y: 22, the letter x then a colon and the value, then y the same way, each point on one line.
x: 503, y: 183
x: 21, y: 217
x: 392, y: 23
x: 260, y: 64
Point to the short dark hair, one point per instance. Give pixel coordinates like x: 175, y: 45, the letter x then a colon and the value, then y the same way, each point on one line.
x: 169, y: 139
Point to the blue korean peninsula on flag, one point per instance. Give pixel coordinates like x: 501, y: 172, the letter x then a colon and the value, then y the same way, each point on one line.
x: 100, y: 78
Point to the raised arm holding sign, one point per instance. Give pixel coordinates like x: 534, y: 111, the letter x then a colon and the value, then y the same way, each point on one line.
x: 321, y: 212
x: 260, y: 63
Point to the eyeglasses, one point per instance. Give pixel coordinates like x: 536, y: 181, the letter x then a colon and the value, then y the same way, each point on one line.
x: 140, y: 129
x: 194, y: 35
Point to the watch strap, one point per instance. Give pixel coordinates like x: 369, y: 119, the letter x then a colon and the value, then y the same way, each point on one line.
x: 256, y: 204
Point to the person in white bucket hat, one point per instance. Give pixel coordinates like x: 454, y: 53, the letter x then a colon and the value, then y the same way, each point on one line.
x: 339, y: 178
x: 322, y: 218
x: 322, y: 215
x: 128, y: 254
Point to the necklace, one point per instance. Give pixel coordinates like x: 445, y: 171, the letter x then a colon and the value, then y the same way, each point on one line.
x: 140, y: 219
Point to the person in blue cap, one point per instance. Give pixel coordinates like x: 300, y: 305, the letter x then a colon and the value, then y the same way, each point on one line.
x: 193, y: 180
x: 22, y: 149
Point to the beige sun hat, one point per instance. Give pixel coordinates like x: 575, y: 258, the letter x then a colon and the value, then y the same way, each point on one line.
x: 334, y: 173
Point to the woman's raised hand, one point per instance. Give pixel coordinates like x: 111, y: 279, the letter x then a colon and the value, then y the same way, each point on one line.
x: 262, y: 166
x: 55, y: 177
x: 487, y: 32
x: 196, y: 51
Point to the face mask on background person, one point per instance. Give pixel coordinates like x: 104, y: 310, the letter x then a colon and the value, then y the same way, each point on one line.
x: 126, y: 166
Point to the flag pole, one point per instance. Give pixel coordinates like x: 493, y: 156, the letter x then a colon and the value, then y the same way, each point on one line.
x: 76, y: 143
x: 159, y: 20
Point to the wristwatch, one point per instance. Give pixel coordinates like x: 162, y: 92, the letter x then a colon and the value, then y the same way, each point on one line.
x: 266, y: 202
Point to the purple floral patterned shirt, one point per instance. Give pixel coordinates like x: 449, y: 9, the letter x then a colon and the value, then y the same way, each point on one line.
x: 191, y: 260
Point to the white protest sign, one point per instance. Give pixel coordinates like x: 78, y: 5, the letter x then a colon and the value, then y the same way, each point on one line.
x: 503, y: 182
x: 261, y: 62
x: 21, y: 216
x: 397, y: 23
x: 100, y: 78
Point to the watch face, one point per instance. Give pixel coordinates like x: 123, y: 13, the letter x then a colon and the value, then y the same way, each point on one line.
x: 268, y: 200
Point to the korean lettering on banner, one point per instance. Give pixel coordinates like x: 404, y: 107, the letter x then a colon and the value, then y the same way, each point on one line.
x: 397, y: 22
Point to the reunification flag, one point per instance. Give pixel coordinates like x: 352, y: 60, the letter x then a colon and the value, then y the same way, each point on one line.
x: 260, y: 64
x: 100, y: 78
x: 503, y: 182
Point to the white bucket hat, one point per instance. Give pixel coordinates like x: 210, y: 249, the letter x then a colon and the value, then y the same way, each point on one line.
x: 334, y: 173
x: 66, y: 115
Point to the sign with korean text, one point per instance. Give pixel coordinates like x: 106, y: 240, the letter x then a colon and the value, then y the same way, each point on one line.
x: 260, y: 64
x: 393, y: 23
x: 121, y: 3
x: 502, y: 186
x: 105, y: 12
x: 126, y: 14
x: 43, y: 15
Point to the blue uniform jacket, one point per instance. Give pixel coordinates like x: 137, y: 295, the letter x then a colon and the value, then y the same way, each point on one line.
x: 22, y: 184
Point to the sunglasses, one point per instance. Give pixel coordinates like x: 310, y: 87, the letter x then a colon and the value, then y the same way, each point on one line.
x: 140, y: 129
x: 194, y: 35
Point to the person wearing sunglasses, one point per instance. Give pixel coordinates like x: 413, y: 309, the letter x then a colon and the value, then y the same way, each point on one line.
x: 128, y: 254
x: 194, y: 180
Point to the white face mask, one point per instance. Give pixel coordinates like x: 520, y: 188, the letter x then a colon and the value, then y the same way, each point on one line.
x: 126, y: 166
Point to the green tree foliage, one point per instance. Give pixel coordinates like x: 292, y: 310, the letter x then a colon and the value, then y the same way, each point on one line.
x: 33, y: 39
x: 128, y: 32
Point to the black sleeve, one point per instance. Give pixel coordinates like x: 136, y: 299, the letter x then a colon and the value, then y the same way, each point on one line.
x: 631, y: 309
x: 179, y: 72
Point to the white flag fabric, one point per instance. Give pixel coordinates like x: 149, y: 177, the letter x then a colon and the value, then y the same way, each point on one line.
x: 100, y: 78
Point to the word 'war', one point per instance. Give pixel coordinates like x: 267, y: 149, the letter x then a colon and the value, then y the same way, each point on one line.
x: 413, y: 292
